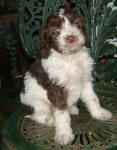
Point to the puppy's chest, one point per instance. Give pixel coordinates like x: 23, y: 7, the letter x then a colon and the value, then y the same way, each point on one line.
x: 64, y: 70
x: 72, y: 68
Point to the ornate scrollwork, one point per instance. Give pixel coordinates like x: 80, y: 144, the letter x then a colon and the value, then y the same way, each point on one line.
x: 31, y: 15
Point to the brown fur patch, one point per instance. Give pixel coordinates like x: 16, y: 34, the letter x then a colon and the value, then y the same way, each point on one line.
x: 48, y: 36
x: 56, y: 94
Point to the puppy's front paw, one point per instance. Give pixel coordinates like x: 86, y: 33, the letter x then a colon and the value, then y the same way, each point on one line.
x: 46, y: 119
x: 64, y: 138
x: 102, y: 114
x: 74, y: 110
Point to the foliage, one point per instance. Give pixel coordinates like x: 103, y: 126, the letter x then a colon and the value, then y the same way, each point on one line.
x: 101, y: 19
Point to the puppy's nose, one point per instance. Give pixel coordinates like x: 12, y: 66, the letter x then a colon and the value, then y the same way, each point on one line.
x: 70, y: 38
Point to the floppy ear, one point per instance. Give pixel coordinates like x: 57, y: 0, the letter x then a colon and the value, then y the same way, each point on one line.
x: 85, y: 32
x: 43, y: 49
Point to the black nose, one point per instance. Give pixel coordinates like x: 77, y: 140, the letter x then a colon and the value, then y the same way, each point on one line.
x: 70, y: 38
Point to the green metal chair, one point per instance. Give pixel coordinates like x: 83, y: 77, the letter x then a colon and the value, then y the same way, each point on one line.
x: 24, y: 134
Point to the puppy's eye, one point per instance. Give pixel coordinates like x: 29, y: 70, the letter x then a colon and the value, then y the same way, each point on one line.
x: 75, y: 25
x: 56, y: 30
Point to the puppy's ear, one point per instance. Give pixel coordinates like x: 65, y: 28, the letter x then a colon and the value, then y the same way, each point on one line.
x: 85, y: 32
x: 43, y: 49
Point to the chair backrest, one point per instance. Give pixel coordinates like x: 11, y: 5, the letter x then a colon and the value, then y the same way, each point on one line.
x: 32, y: 13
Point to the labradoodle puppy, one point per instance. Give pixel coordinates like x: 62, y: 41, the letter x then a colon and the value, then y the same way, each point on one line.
x: 61, y: 75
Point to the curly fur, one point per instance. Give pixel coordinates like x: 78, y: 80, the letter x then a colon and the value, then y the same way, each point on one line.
x: 61, y: 75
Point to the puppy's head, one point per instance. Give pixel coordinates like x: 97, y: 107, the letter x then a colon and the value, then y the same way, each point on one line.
x: 65, y: 32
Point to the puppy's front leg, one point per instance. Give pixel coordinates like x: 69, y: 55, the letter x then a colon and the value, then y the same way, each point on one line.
x: 63, y: 129
x: 58, y: 96
x: 92, y: 102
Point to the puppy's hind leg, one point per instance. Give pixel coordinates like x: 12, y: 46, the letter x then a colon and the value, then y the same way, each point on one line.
x: 42, y: 114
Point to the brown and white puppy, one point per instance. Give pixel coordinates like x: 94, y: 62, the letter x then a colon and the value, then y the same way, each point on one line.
x: 61, y: 75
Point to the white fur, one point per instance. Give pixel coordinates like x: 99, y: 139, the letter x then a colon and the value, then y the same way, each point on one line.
x: 63, y: 130
x: 74, y: 72
x: 61, y: 12
x: 92, y: 103
x: 68, y: 30
x: 73, y: 110
x: 36, y: 97
x: 70, y: 71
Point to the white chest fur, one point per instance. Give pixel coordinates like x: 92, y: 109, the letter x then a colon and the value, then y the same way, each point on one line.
x: 68, y: 70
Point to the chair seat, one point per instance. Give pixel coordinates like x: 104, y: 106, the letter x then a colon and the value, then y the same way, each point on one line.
x: 90, y: 134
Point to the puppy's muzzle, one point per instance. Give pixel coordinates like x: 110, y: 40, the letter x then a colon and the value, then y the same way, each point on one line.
x: 70, y: 39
